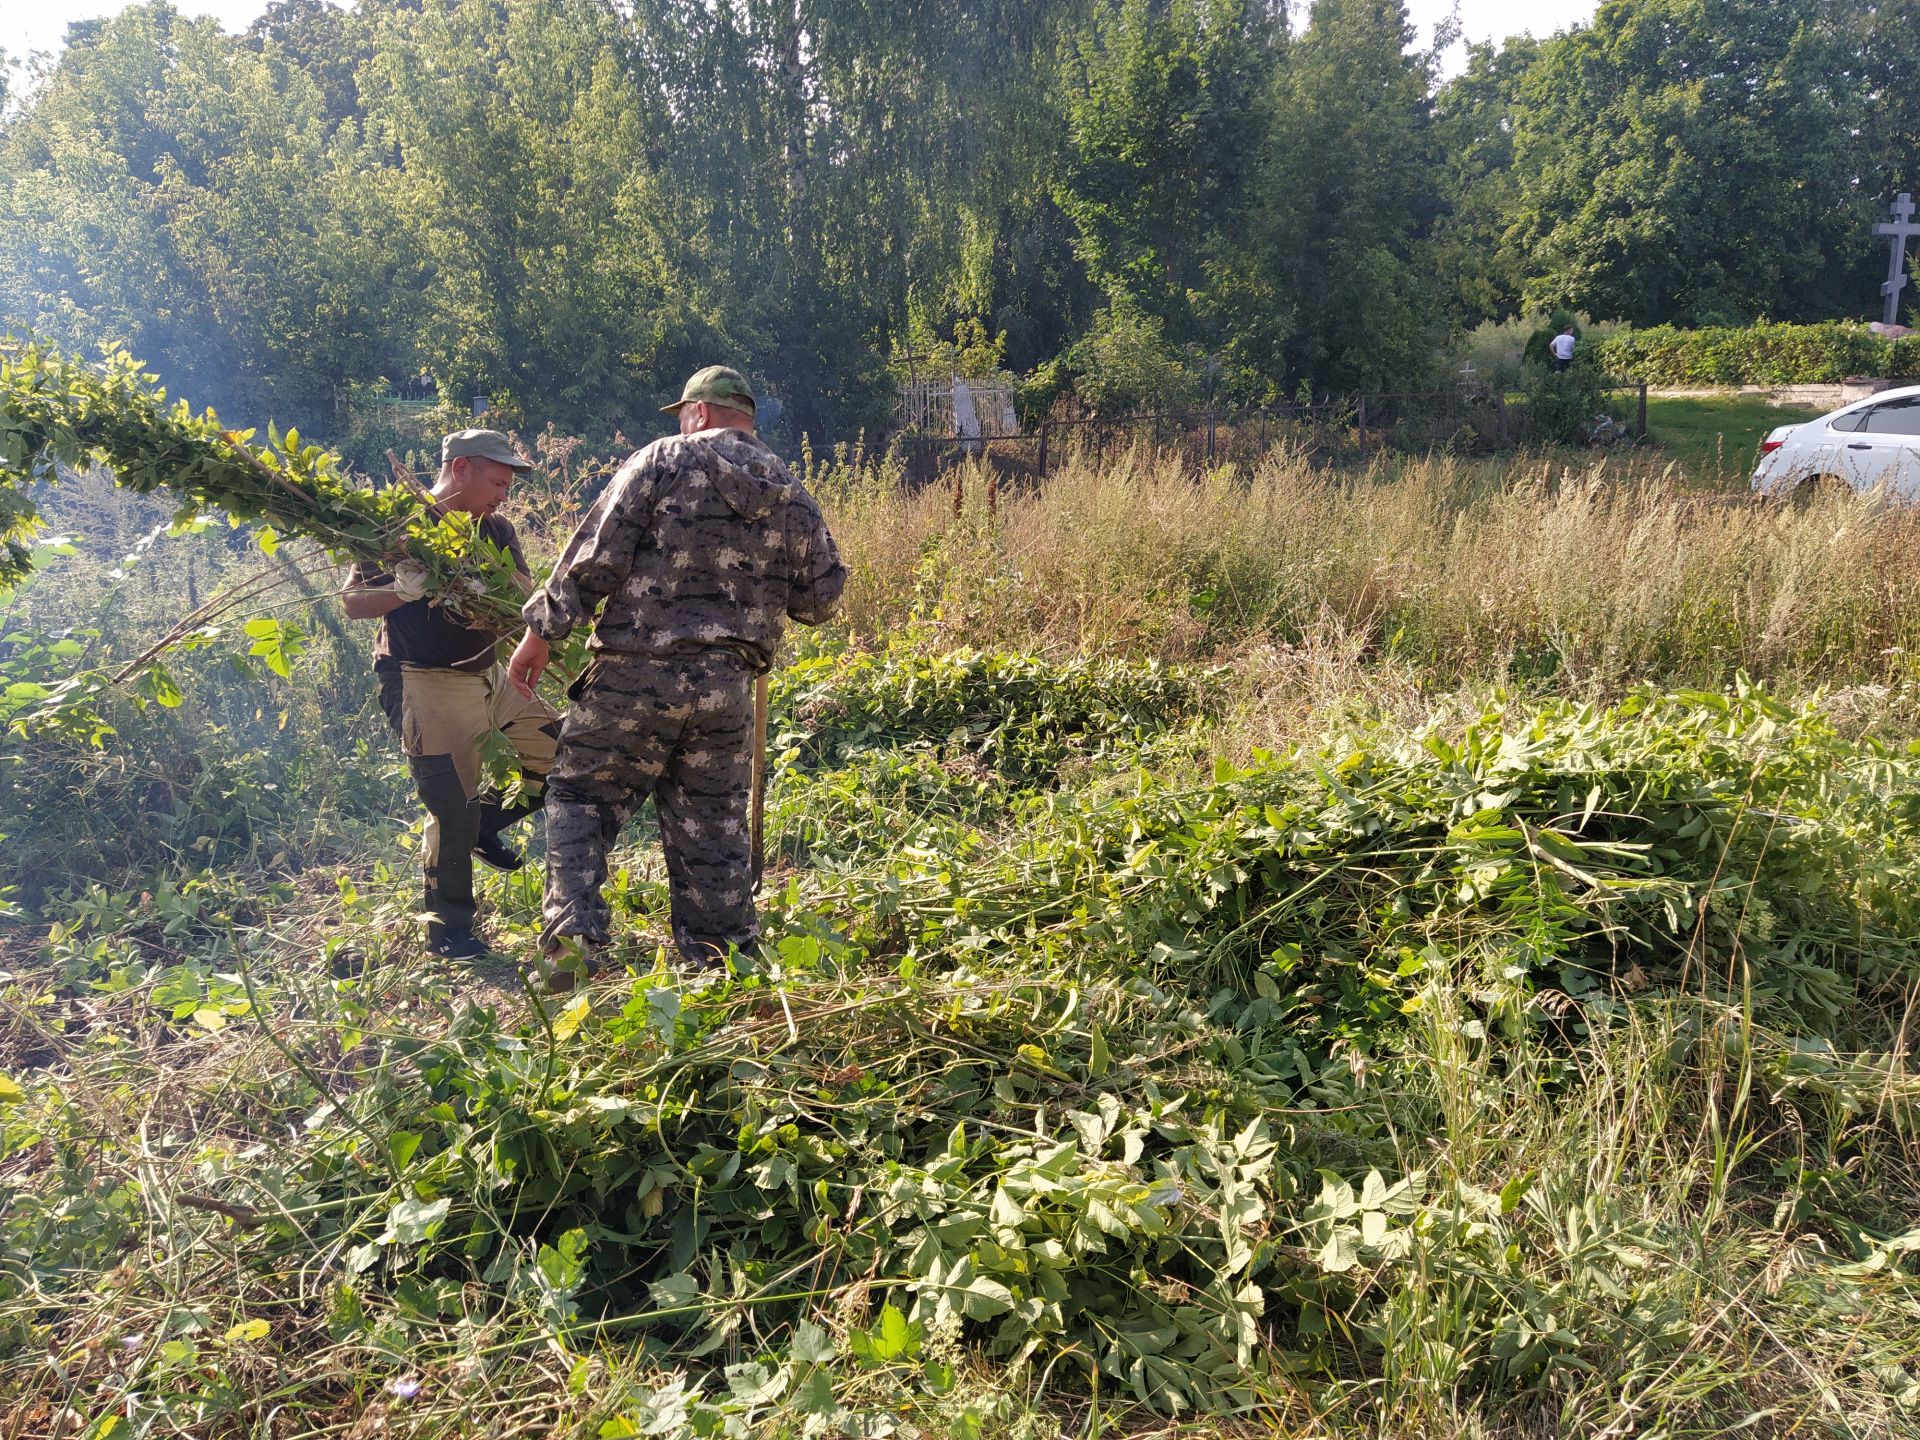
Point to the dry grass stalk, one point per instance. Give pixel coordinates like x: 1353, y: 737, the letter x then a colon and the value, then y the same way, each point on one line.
x: 1476, y: 573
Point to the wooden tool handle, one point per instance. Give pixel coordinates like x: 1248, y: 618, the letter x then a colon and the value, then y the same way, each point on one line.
x: 757, y: 802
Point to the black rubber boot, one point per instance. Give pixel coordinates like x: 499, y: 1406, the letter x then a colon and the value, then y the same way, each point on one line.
x: 569, y: 962
x: 459, y: 945
x: 498, y: 852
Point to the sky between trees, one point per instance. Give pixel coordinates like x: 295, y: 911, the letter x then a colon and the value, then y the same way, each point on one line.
x: 30, y: 25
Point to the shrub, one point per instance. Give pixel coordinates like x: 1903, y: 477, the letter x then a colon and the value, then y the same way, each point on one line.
x: 1760, y: 354
x: 1498, y: 349
x: 1126, y: 364
x: 1561, y: 404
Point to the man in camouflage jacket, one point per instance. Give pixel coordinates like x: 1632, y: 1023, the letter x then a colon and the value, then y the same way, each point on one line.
x: 700, y: 550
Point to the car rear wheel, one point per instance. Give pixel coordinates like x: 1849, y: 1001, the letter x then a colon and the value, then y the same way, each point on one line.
x: 1816, y: 488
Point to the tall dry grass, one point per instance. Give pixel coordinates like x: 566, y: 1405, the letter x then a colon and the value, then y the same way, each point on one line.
x: 1463, y: 571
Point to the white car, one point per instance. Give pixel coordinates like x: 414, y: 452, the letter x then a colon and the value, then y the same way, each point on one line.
x: 1864, y: 446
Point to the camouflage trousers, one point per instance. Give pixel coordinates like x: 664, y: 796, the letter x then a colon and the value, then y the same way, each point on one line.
x: 681, y: 731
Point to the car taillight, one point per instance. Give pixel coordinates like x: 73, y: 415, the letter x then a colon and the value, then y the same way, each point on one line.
x: 1767, y: 447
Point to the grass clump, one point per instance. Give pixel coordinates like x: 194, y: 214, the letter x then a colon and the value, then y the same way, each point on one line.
x: 1716, y: 438
x: 1462, y: 572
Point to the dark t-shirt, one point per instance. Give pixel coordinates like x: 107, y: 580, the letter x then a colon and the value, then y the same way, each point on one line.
x: 422, y: 634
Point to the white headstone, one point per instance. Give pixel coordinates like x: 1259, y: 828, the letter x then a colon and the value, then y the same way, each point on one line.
x: 966, y: 423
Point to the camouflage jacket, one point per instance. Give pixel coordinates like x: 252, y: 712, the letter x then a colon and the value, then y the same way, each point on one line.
x: 701, y: 542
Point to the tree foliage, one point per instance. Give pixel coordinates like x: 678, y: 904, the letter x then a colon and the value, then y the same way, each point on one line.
x: 1353, y: 196
x: 1167, y: 122
x: 1691, y: 160
x: 1473, y: 121
x: 173, y: 191
x: 562, y: 206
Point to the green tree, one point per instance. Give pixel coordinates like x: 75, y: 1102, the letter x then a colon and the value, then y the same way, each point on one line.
x: 321, y: 40
x: 1039, y: 296
x: 555, y: 202
x: 173, y: 190
x: 1689, y: 161
x: 1884, y: 39
x: 85, y: 248
x: 1350, y: 197
x: 1168, y: 108
x: 838, y: 167
x: 1473, y: 272
x: 522, y: 155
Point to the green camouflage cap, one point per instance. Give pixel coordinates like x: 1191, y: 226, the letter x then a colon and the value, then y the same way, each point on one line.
x: 716, y: 385
x: 483, y: 445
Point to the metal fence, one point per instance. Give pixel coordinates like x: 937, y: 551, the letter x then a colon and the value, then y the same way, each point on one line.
x: 961, y: 408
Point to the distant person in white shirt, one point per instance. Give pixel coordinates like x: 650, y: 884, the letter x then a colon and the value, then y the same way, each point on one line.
x: 1562, y: 347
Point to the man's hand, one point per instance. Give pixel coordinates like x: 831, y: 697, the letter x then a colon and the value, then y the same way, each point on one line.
x: 409, y: 580
x: 528, y: 664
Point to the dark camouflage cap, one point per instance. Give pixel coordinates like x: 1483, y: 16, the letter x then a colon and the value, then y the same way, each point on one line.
x: 716, y: 385
x: 484, y: 445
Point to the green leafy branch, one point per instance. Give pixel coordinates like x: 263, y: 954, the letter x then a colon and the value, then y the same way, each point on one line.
x: 59, y: 414
x: 55, y: 412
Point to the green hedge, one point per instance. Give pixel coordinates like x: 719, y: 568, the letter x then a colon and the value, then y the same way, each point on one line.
x: 1761, y: 354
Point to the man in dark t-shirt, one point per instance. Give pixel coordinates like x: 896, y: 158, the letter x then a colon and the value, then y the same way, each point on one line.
x: 444, y: 694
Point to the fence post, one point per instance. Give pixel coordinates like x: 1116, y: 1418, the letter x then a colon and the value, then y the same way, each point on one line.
x: 1043, y: 449
x: 1640, y: 429
x: 1209, y: 437
x: 1266, y: 418
x: 1363, y: 425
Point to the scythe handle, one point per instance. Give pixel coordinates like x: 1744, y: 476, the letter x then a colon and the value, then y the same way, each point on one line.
x: 757, y: 802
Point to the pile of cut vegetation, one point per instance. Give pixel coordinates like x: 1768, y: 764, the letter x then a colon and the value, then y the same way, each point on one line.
x: 1506, y: 1073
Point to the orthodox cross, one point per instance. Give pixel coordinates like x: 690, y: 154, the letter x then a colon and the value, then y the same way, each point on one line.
x: 906, y: 354
x: 1899, y: 230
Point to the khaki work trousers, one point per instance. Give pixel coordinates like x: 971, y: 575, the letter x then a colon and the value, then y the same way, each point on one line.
x: 443, y: 718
